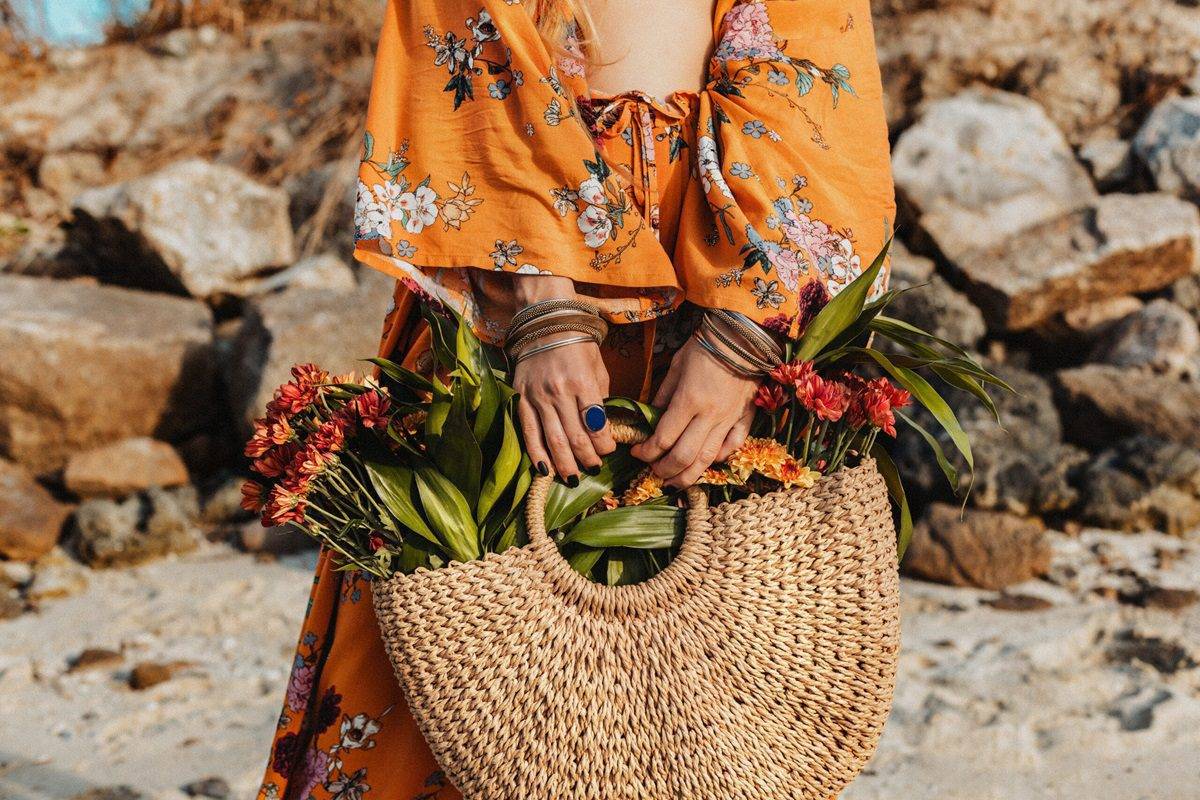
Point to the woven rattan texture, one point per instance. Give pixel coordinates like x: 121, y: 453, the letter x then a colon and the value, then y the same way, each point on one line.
x: 759, y: 664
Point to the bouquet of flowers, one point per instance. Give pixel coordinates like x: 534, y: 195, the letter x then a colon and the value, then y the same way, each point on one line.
x: 400, y: 471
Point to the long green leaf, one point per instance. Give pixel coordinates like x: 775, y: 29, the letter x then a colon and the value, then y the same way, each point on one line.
x: 584, y: 559
x: 939, y: 455
x: 841, y: 311
x: 394, y: 485
x: 643, y: 411
x: 891, y: 477
x: 403, y: 376
x: 449, y: 513
x: 456, y: 452
x: 640, y: 527
x: 503, y: 470
x: 564, y: 503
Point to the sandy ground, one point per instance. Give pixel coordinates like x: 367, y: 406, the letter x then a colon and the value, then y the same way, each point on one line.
x: 1087, y: 698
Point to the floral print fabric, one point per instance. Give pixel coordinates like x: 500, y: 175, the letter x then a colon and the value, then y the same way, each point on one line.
x: 487, y: 154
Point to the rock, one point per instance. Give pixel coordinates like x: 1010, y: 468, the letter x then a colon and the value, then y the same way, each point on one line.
x: 85, y: 365
x: 149, y: 673
x: 223, y: 505
x: 1091, y: 320
x: 30, y: 518
x: 1135, y: 711
x: 67, y: 174
x: 979, y: 167
x: 1164, y: 657
x: 213, y: 787
x: 152, y: 524
x: 939, y: 309
x: 1124, y: 244
x: 109, y: 793
x: 1143, y: 483
x: 908, y: 269
x: 192, y: 227
x: 1168, y: 143
x: 1018, y: 602
x: 303, y: 325
x: 1160, y: 597
x: 56, y: 575
x: 1132, y: 400
x: 1021, y: 464
x: 1078, y: 90
x: 1161, y: 336
x: 984, y: 549
x: 1109, y: 160
x: 326, y: 272
x: 95, y: 658
x: 124, y: 468
x: 11, y: 605
x: 15, y: 574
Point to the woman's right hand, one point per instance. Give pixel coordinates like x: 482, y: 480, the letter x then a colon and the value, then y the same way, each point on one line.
x: 555, y: 387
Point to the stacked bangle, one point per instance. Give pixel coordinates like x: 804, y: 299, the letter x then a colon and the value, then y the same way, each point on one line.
x: 738, y: 343
x: 549, y: 317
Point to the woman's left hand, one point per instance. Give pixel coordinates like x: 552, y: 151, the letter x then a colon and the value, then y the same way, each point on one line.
x: 708, y: 416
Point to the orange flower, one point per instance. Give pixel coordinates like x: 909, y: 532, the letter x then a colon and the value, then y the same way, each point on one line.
x: 292, y: 398
x: 373, y: 409
x: 793, y: 373
x: 756, y: 455
x: 790, y: 472
x: 609, y: 501
x: 309, y: 375
x: 284, y: 506
x: 718, y: 476
x: 313, y: 461
x: 646, y: 486
x: 828, y: 400
x: 252, y: 497
x: 275, y: 462
x: 770, y: 398
x: 279, y: 429
x: 260, y: 442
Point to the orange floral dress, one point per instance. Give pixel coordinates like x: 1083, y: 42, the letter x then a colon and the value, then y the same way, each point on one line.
x: 486, y: 154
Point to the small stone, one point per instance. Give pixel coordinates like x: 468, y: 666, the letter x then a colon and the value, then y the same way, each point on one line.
x: 1160, y: 335
x: 56, y: 575
x: 983, y: 549
x: 214, y: 787
x: 148, y: 674
x: 1018, y: 602
x: 109, y: 793
x: 30, y: 518
x: 1143, y: 482
x: 67, y: 174
x: 325, y: 272
x: 223, y: 506
x: 1161, y: 598
x: 124, y: 468
x: 1168, y: 143
x: 1110, y: 161
x: 1094, y: 319
x: 1164, y: 657
x: 1135, y: 711
x: 95, y: 658
x: 11, y: 605
x: 15, y: 574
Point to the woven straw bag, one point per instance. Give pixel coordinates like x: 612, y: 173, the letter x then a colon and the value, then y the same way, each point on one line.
x: 758, y: 665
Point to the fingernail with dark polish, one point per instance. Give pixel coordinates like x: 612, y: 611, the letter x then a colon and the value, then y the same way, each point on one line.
x: 593, y: 471
x: 573, y: 481
x: 541, y: 468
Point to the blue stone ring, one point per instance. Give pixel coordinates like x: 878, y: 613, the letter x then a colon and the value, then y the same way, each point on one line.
x: 594, y: 417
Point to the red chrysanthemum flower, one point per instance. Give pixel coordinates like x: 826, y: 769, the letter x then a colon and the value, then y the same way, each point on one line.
x: 292, y: 398
x: 252, y: 497
x: 309, y: 375
x: 260, y: 442
x: 279, y: 429
x: 330, y: 437
x: 376, y: 541
x: 827, y: 400
x: 312, y: 461
x: 793, y: 374
x: 284, y: 506
x: 373, y: 409
x: 770, y: 398
x: 276, y: 460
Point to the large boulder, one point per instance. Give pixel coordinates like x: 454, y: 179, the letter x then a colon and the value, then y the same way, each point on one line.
x: 1168, y: 143
x: 154, y: 523
x: 1021, y: 462
x: 1160, y: 335
x: 30, y: 518
x: 983, y: 549
x: 1143, y: 483
x: 124, y: 468
x: 979, y: 167
x: 1123, y: 244
x: 335, y: 331
x: 1131, y: 400
x: 192, y: 227
x: 84, y: 365
x: 939, y: 309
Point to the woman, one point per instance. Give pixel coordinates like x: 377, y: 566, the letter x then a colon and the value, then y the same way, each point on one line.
x: 516, y: 156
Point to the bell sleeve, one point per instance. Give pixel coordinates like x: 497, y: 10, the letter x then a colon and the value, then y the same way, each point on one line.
x: 475, y: 162
x: 793, y: 158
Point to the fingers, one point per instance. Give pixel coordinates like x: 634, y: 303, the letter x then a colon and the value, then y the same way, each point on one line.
x: 737, y: 435
x: 577, y: 435
x: 559, y: 444
x: 602, y: 440
x: 531, y: 431
x: 673, y: 423
x: 663, y: 396
x: 691, y: 454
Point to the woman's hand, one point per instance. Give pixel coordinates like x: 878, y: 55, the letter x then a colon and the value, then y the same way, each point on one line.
x: 708, y: 416
x: 555, y: 387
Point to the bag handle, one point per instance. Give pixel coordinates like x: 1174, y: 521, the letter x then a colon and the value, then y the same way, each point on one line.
x: 623, y: 433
